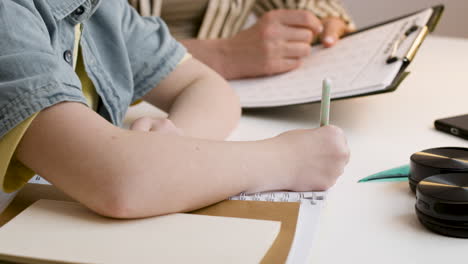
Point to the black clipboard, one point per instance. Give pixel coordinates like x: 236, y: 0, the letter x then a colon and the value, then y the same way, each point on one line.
x: 431, y: 24
x: 402, y: 73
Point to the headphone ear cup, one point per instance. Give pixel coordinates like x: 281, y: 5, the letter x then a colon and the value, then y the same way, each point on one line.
x: 442, y: 204
x: 436, y: 161
x: 443, y: 227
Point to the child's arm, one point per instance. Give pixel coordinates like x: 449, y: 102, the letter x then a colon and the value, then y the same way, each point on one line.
x: 198, y: 100
x: 126, y: 174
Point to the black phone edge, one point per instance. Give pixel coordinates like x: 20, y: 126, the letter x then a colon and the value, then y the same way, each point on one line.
x: 455, y: 131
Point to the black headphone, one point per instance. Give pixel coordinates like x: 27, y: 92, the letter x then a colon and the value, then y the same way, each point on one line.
x: 439, y: 176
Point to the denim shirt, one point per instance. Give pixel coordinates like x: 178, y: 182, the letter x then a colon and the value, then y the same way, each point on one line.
x: 125, y: 56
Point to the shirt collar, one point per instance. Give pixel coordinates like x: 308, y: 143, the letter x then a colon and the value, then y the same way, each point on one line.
x: 63, y: 8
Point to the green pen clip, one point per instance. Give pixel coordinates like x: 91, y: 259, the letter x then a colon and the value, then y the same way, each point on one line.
x: 396, y: 174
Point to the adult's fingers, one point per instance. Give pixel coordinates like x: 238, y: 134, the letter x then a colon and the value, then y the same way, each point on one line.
x: 294, y: 18
x: 334, y: 28
x: 297, y: 34
x: 281, y: 65
x: 296, y: 50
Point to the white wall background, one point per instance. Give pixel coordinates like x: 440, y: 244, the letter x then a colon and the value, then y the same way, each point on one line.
x: 454, y: 21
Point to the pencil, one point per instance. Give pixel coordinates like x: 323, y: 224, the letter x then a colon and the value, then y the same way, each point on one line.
x: 325, y: 104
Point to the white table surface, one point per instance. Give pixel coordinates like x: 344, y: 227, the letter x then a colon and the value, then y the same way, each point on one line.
x: 375, y: 222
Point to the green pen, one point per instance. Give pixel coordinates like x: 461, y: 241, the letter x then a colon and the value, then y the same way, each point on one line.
x: 325, y: 104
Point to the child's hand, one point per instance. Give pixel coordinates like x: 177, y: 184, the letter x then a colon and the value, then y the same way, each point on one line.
x: 321, y: 155
x: 318, y: 157
x: 161, y: 125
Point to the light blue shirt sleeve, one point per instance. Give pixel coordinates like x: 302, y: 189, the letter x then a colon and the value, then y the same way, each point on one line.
x: 32, y: 75
x: 152, y: 51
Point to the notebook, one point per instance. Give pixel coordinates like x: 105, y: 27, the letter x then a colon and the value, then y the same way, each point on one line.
x: 66, y: 232
x: 291, y: 246
x: 285, y: 212
x: 358, y: 65
x: 311, y: 204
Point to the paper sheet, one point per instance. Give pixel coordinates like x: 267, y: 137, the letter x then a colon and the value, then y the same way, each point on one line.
x: 307, y: 227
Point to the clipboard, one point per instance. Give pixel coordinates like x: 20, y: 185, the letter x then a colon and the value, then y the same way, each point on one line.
x: 259, y: 92
x: 402, y: 74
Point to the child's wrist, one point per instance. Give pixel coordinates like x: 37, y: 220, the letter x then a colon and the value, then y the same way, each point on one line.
x: 287, y: 157
x: 280, y: 164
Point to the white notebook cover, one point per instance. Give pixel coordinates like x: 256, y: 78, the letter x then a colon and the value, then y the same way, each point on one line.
x: 66, y: 232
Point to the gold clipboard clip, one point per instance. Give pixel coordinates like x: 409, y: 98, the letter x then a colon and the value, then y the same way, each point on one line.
x: 414, y: 47
x: 416, y: 44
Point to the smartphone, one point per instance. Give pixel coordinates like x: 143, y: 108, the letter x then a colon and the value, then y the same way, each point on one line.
x: 456, y: 125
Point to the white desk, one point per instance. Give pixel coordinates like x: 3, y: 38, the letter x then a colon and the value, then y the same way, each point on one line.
x: 375, y: 222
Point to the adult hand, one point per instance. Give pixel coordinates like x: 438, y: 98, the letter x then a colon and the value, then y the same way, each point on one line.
x: 277, y: 43
x: 162, y: 125
x: 334, y: 28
